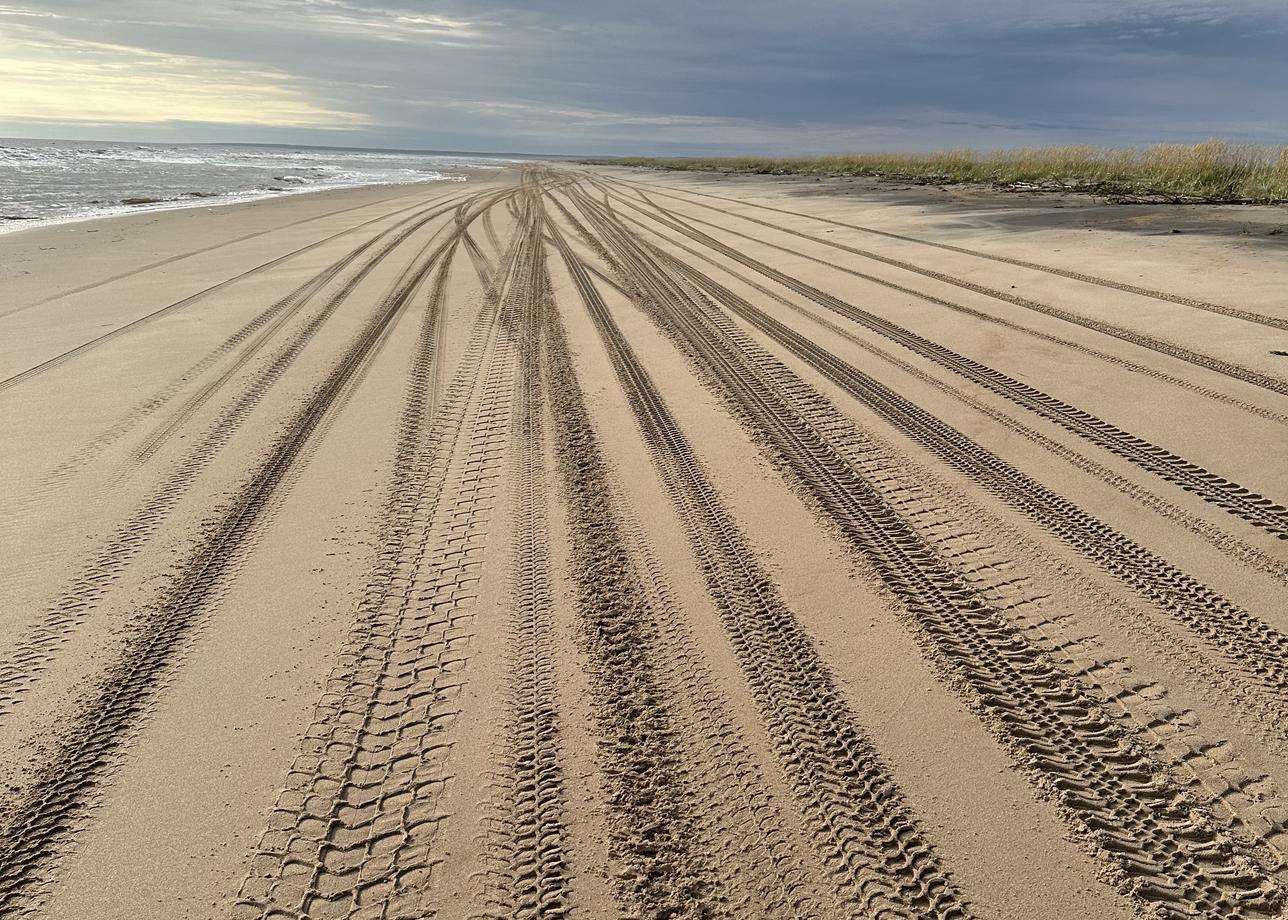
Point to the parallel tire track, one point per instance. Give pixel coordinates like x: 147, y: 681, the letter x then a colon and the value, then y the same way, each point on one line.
x: 1152, y: 343
x: 1273, y: 322
x: 1258, y: 650
x: 1244, y: 503
x: 526, y: 873
x: 1225, y: 542
x: 291, y: 304
x: 879, y: 858
x: 280, y: 313
x: 744, y: 860
x: 1134, y: 367
x: 755, y: 849
x: 160, y: 263
x: 661, y: 858
x: 354, y: 829
x: 261, y: 330
x: 30, y: 651
x: 85, y: 347
x: 43, y: 815
x: 1128, y: 806
x: 949, y: 525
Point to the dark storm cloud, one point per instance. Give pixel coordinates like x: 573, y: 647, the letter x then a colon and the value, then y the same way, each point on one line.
x: 669, y: 76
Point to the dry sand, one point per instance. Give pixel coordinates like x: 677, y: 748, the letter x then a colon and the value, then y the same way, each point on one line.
x: 597, y: 543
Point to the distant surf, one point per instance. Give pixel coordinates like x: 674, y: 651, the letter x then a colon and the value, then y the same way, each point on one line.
x: 42, y: 181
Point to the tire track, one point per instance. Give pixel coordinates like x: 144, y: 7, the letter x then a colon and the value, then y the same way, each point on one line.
x: 1249, y: 801
x: 272, y: 320
x: 39, y: 823
x: 661, y: 858
x: 292, y: 303
x: 37, y: 645
x: 1219, y: 539
x: 85, y: 347
x: 1153, y: 343
x: 879, y: 860
x: 760, y: 857
x: 482, y: 264
x: 662, y: 863
x: 489, y: 228
x: 259, y: 332
x: 1253, y: 508
x: 1257, y: 649
x: 1273, y: 322
x: 667, y: 710
x: 1124, y: 804
x: 160, y: 263
x: 353, y: 830
x: 1251, y: 804
x: 1116, y: 360
x: 525, y: 871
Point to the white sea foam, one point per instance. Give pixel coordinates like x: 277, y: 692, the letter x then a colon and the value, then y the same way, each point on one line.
x: 43, y: 181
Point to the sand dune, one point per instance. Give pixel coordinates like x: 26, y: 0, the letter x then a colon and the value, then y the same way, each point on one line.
x: 588, y: 542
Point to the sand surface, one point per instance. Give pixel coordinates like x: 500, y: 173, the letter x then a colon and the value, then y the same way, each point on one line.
x: 594, y: 543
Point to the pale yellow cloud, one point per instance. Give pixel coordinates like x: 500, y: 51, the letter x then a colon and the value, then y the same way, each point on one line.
x: 394, y: 24
x: 45, y: 77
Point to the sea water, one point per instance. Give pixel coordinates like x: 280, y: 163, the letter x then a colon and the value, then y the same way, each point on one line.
x: 60, y: 180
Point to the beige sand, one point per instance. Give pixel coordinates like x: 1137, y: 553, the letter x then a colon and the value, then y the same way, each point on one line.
x: 599, y: 543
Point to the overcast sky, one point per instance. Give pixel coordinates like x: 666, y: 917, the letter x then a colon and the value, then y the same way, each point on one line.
x: 646, y: 76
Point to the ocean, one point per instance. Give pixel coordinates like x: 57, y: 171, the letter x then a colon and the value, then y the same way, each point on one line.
x: 42, y: 181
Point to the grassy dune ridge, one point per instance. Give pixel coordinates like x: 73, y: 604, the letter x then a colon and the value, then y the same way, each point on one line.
x: 1214, y: 170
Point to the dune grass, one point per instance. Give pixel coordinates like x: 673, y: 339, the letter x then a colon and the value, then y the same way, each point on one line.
x: 1211, y: 171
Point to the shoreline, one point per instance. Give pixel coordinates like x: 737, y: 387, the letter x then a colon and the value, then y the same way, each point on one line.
x: 59, y: 261
x: 195, y: 200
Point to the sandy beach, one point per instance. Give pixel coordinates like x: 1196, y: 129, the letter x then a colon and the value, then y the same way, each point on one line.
x: 595, y: 542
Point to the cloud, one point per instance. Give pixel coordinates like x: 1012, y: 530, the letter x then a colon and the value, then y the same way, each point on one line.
x: 382, y: 24
x: 676, y: 76
x: 49, y: 78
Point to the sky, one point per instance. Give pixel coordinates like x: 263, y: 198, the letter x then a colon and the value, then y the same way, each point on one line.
x: 646, y: 76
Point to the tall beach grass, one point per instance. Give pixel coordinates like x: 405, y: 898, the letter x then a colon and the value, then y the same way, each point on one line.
x: 1213, y: 170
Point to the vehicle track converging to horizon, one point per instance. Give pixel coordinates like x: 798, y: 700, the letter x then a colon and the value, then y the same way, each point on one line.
x: 569, y: 545
x: 1273, y: 322
x: 1150, y: 371
x: 1015, y: 684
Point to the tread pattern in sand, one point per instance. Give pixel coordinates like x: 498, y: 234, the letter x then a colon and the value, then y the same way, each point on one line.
x: 579, y: 438
x: 1105, y: 784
